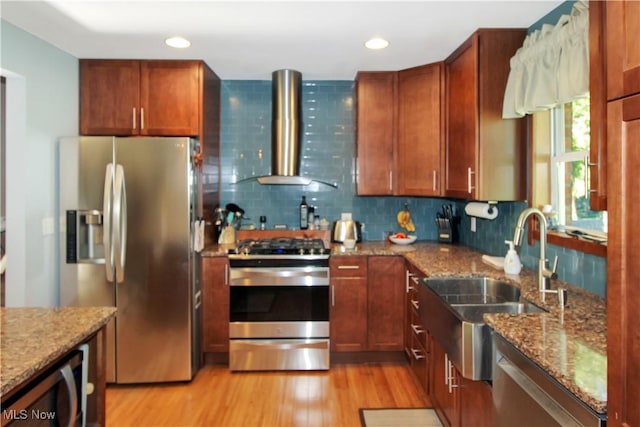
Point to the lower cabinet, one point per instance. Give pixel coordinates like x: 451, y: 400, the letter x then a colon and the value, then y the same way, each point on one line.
x: 215, y: 304
x: 445, y: 382
x: 348, y: 303
x: 476, y: 403
x: 416, y: 336
x: 385, y: 313
x: 367, y: 295
x: 458, y: 401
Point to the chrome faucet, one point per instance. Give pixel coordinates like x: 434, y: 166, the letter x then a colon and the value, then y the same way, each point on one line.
x: 544, y: 273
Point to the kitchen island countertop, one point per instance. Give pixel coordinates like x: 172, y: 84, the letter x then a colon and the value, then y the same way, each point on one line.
x: 571, y: 347
x: 33, y: 337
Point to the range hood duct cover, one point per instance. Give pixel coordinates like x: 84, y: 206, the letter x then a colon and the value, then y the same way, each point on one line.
x: 286, y: 130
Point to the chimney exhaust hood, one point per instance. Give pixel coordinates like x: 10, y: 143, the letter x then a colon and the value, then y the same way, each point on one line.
x: 286, y: 131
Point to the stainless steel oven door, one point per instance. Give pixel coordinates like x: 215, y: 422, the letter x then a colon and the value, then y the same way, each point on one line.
x: 278, y: 355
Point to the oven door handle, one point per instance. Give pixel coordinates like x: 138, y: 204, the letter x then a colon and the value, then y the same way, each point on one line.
x: 288, y: 344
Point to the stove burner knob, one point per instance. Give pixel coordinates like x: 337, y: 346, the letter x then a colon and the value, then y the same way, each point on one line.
x: 311, y: 251
x: 246, y: 251
x: 301, y: 251
x: 321, y: 251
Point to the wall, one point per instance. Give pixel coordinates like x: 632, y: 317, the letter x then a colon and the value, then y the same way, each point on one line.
x: 42, y: 104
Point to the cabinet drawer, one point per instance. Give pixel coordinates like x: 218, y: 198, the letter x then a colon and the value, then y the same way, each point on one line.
x: 418, y: 329
x: 348, y: 266
x: 419, y: 361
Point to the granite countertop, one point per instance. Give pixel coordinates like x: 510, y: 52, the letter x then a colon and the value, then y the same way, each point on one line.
x: 32, y: 338
x: 570, y: 346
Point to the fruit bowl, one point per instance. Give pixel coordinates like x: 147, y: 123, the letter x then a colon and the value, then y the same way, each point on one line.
x: 400, y: 240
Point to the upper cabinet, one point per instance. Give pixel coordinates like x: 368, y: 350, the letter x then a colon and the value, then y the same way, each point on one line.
x: 153, y: 98
x: 420, y: 130
x: 622, y: 48
x: 375, y: 132
x: 399, y: 131
x: 485, y: 154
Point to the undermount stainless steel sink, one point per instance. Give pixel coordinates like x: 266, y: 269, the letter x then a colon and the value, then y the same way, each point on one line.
x: 453, y: 315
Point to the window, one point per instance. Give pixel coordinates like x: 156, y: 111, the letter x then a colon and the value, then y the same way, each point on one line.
x: 569, y: 171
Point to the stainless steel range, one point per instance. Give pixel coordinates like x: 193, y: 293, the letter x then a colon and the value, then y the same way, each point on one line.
x: 279, y: 307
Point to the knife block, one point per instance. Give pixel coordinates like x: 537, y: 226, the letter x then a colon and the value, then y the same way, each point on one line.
x: 447, y: 230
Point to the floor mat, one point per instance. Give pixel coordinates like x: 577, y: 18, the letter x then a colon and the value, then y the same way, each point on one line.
x: 405, y: 417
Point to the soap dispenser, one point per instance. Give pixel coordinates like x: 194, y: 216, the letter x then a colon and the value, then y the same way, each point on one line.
x: 512, y: 263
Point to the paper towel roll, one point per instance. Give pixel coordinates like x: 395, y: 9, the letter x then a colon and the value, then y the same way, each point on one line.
x: 481, y: 210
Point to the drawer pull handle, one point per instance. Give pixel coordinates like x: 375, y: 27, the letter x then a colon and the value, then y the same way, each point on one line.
x: 348, y: 267
x: 417, y: 329
x: 415, y: 304
x: 417, y: 354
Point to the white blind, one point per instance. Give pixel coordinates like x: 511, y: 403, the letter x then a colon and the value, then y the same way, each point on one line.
x: 551, y: 67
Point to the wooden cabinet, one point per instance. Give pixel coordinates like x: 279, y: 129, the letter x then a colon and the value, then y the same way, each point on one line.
x: 215, y: 304
x: 420, y: 130
x: 400, y: 127
x: 385, y: 313
x: 348, y: 303
x: 416, y: 336
x: 476, y: 403
x: 367, y: 295
x: 445, y: 381
x: 622, y: 48
x: 623, y: 269
x: 151, y: 98
x: 375, y: 132
x: 485, y: 154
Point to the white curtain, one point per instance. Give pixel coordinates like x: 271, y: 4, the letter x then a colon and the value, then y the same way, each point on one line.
x: 551, y: 67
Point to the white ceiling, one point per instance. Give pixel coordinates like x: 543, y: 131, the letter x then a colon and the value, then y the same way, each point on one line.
x: 250, y: 39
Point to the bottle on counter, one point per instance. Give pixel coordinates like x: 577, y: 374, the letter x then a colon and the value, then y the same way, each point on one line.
x: 310, y: 217
x: 304, y: 214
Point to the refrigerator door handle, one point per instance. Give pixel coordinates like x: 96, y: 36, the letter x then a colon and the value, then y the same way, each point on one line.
x: 120, y: 222
x: 107, y: 201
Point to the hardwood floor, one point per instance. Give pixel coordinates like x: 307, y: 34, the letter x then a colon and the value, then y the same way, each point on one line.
x: 217, y: 397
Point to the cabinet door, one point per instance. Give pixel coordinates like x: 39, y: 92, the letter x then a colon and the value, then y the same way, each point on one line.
x: 215, y: 304
x: 476, y: 403
x: 348, y: 303
x: 623, y: 270
x: 375, y: 132
x: 420, y: 130
x: 598, y: 107
x: 444, y: 388
x: 623, y: 48
x: 170, y: 98
x: 109, y: 97
x: 385, y: 318
x: 348, y: 313
x: 462, y: 121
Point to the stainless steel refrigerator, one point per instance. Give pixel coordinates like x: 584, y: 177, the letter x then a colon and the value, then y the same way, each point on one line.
x: 128, y: 207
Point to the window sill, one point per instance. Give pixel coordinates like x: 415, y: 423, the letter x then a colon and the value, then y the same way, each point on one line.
x: 563, y: 240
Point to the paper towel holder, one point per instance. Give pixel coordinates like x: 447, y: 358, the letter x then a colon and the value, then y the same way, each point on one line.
x: 486, y: 210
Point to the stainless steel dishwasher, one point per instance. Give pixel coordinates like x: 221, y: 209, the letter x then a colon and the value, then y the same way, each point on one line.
x: 524, y: 395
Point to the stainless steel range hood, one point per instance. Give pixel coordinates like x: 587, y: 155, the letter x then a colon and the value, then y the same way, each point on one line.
x: 286, y: 131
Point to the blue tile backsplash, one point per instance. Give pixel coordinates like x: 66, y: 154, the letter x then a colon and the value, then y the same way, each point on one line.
x: 328, y: 151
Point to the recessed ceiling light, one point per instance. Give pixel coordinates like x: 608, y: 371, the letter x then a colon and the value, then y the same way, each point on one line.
x: 178, y: 42
x: 376, y: 43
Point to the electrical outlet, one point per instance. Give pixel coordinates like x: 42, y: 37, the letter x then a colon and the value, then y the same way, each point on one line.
x: 47, y: 226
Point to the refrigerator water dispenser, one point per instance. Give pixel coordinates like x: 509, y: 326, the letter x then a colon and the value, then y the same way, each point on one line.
x: 84, y: 237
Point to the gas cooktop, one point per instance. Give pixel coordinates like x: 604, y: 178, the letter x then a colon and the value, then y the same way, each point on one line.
x: 280, y: 246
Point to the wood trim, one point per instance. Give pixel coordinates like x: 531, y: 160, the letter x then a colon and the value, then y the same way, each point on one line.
x: 563, y: 240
